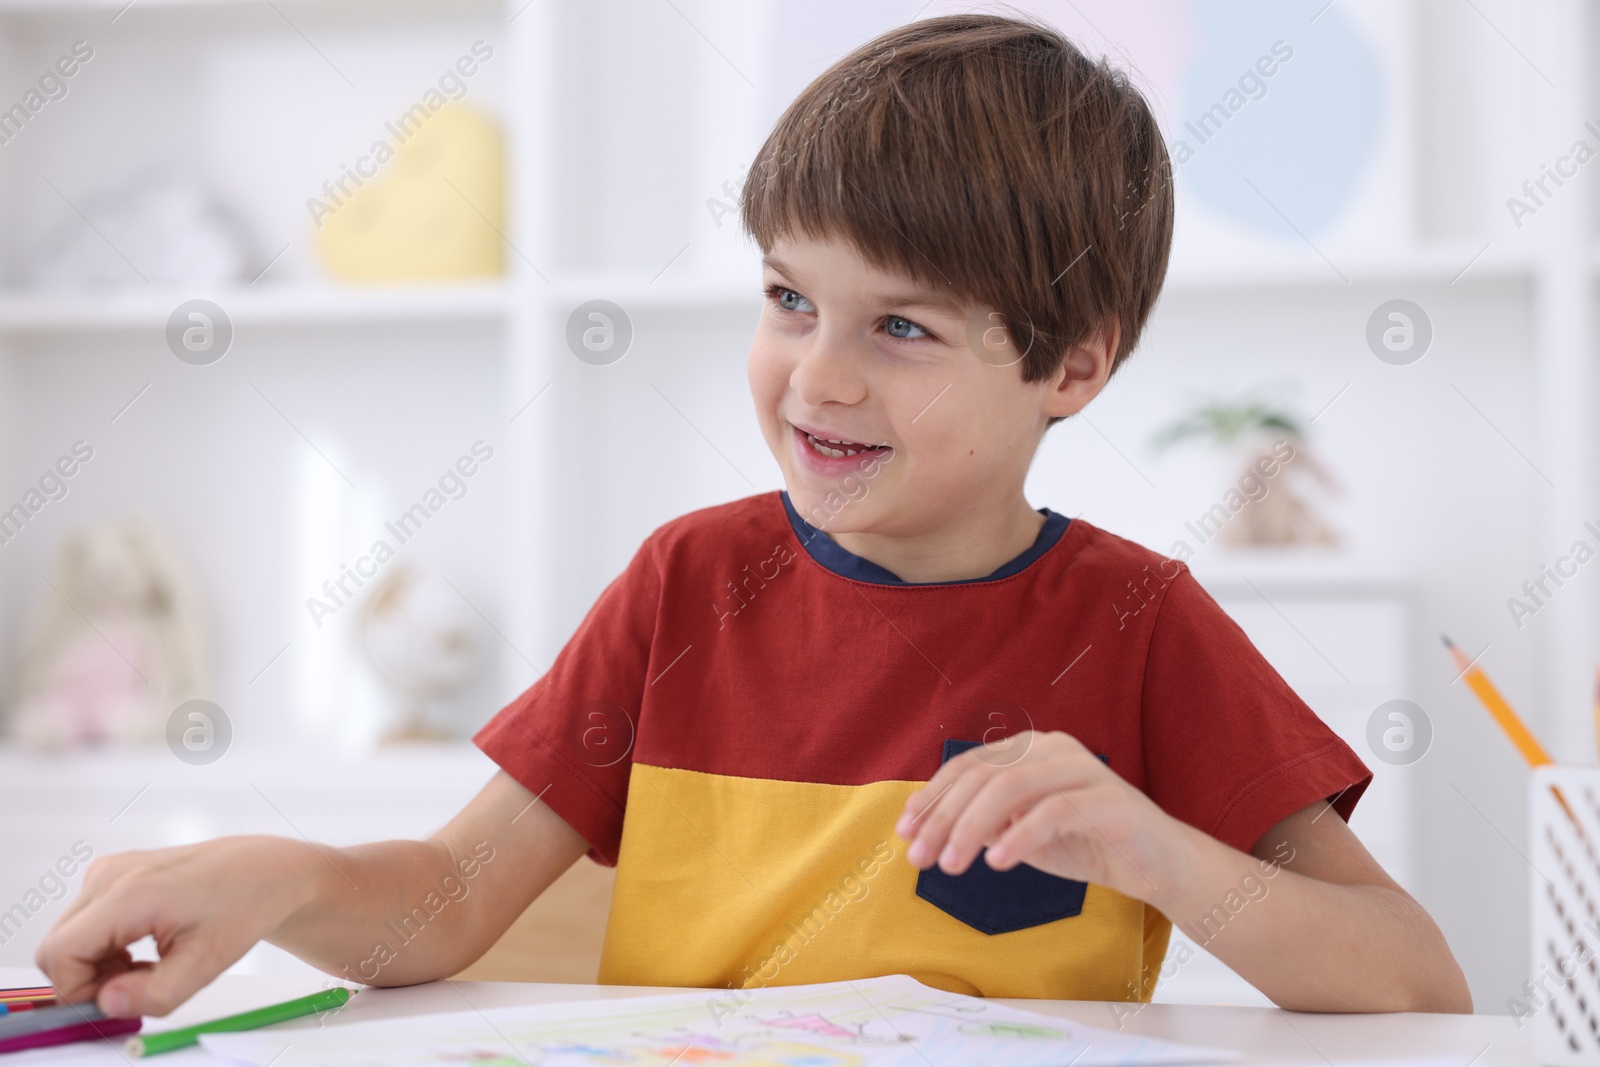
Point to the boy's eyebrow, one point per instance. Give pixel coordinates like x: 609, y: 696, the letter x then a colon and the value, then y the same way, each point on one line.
x: 919, y: 298
x: 923, y: 299
x: 770, y: 260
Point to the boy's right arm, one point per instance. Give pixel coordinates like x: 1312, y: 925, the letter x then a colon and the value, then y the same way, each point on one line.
x: 205, y: 905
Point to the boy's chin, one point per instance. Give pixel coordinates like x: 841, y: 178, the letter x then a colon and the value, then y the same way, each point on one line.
x: 832, y: 510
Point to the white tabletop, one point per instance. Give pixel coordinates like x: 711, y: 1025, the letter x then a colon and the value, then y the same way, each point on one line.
x: 1263, y: 1035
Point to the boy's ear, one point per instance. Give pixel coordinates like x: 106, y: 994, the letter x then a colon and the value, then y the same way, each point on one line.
x: 1083, y: 372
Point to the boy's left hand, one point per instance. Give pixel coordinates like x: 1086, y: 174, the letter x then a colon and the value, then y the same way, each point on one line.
x: 1046, y: 800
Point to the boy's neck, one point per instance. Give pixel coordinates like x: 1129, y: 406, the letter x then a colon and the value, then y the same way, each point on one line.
x: 973, y: 546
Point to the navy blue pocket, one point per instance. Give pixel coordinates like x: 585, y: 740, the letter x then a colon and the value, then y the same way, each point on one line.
x: 998, y: 902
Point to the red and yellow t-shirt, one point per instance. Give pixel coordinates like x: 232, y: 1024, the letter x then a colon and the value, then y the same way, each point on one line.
x: 738, y: 720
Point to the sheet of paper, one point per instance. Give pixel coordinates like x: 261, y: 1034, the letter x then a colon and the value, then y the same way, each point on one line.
x: 878, y: 1022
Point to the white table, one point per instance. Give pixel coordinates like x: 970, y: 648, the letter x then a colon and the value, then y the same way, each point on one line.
x: 1264, y: 1035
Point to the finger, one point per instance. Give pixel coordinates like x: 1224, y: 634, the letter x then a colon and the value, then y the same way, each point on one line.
x: 936, y: 819
x: 1051, y: 819
x: 97, y: 875
x: 1006, y: 795
x: 74, y: 987
x: 74, y: 906
x: 73, y: 967
x: 1058, y: 763
x: 920, y: 802
x: 82, y: 951
x: 185, y: 967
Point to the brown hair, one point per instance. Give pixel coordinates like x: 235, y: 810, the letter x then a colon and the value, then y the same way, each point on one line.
x: 990, y: 156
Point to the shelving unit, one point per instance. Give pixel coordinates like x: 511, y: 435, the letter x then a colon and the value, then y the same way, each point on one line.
x: 187, y: 66
x: 470, y: 354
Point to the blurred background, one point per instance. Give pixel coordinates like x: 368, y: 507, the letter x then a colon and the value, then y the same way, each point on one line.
x: 348, y: 349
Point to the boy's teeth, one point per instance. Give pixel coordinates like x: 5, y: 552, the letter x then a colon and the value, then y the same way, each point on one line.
x: 825, y: 450
x: 836, y: 453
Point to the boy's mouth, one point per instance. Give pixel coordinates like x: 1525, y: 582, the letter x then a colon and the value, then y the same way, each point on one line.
x: 834, y: 457
x: 836, y: 448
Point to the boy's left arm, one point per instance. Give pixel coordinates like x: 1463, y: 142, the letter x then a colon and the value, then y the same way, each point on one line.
x: 1309, y: 918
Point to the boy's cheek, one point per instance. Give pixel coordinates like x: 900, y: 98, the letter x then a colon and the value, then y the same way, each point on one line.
x: 766, y: 388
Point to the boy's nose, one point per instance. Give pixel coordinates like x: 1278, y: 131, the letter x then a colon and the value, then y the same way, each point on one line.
x: 828, y: 370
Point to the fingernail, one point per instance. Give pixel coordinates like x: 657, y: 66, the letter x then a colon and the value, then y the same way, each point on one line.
x: 902, y: 826
x: 113, y: 1001
x: 947, y: 858
x: 917, y: 853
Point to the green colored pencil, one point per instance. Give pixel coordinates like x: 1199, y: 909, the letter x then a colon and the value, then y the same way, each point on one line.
x: 166, y: 1041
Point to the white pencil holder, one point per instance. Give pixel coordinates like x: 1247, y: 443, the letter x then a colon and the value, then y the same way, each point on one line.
x: 1563, y: 990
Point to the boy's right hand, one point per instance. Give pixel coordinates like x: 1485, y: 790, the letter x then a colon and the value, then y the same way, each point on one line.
x: 204, y: 905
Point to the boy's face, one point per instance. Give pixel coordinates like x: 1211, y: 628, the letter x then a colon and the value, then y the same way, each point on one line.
x: 850, y: 352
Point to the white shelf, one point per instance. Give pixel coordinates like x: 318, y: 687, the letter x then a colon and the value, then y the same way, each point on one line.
x: 25, y: 770
x: 382, y: 8
x: 1298, y: 572
x: 42, y: 312
x: 633, y: 290
x: 23, y: 312
x: 1218, y: 270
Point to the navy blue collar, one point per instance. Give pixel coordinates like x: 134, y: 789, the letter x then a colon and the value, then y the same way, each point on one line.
x: 841, y: 561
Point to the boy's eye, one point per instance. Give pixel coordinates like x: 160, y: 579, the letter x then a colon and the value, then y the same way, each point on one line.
x: 902, y: 328
x: 788, y: 299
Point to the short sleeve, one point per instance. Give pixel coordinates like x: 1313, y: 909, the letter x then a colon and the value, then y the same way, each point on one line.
x: 1229, y: 748
x: 569, y: 737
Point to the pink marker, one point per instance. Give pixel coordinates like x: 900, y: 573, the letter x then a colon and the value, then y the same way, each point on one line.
x: 63, y: 1035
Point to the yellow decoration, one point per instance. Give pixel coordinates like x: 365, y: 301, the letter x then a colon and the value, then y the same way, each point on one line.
x: 436, y: 210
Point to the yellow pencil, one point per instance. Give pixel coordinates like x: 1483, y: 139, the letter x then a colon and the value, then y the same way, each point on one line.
x: 1531, y: 749
x: 1526, y: 743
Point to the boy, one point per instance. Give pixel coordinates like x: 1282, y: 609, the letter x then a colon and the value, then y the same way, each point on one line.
x: 893, y: 719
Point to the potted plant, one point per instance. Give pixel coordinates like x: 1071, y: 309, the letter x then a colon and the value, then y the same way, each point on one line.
x: 1272, y: 443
